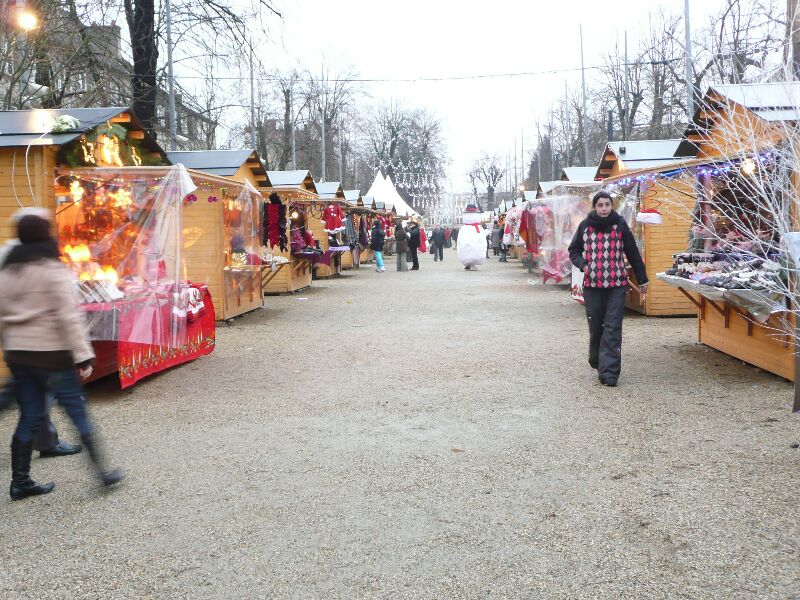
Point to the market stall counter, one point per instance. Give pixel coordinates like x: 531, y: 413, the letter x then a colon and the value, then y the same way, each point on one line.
x: 741, y: 310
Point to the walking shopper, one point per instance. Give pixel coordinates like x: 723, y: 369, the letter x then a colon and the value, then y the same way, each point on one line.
x: 601, y: 244
x: 413, y: 245
x: 377, y: 240
x: 47, y: 443
x: 454, y: 237
x: 438, y: 243
x: 401, y: 246
x: 497, y: 234
x: 448, y: 234
x: 46, y: 345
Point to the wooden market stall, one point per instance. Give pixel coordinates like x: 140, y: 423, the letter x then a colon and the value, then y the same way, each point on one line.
x: 222, y: 227
x: 117, y: 206
x: 632, y: 170
x: 288, y: 211
x: 328, y: 226
x: 733, y: 136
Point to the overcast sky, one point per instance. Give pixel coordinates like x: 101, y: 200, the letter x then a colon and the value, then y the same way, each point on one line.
x: 437, y: 38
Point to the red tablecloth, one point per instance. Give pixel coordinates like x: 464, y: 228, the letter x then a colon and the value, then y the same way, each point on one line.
x: 134, y: 360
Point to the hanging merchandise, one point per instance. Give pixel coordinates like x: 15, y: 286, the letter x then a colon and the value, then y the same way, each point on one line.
x: 363, y: 232
x: 350, y: 231
x: 275, y: 223
x: 333, y: 218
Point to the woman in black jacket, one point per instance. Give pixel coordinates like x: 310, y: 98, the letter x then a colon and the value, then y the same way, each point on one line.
x: 377, y: 240
x: 601, y: 244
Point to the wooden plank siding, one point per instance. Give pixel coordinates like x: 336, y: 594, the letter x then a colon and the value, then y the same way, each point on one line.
x: 764, y: 347
x: 17, y: 191
x: 205, y: 244
x: 660, y: 242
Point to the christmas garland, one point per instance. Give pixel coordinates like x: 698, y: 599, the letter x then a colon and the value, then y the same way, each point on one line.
x: 131, y: 153
x: 275, y: 223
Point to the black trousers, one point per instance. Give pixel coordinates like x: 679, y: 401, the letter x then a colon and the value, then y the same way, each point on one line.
x: 605, y: 308
x: 438, y: 252
x: 47, y: 437
x: 414, y: 258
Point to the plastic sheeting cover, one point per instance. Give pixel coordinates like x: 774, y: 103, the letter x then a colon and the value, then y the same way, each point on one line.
x: 119, y: 230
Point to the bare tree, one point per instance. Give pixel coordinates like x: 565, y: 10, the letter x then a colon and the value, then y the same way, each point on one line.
x: 487, y: 170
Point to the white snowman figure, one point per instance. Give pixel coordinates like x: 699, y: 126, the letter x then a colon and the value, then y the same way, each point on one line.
x: 471, y: 239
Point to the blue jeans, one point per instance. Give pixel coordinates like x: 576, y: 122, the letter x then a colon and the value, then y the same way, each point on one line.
x: 378, y: 259
x: 32, y: 385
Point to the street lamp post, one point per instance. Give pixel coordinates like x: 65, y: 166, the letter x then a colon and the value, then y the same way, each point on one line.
x: 173, y: 121
x: 689, y: 76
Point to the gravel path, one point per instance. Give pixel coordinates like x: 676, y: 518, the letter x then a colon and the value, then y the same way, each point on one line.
x: 431, y: 434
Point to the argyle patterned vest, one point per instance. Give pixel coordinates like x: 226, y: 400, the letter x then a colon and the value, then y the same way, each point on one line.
x: 604, y: 253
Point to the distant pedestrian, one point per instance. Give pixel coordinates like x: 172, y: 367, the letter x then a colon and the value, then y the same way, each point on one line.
x: 414, y: 244
x: 496, y: 237
x: 454, y: 237
x: 438, y: 241
x: 401, y: 242
x: 599, y: 248
x: 377, y: 240
x: 448, y: 234
x: 488, y: 236
x: 46, y: 343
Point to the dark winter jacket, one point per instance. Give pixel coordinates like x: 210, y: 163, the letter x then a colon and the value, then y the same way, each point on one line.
x: 413, y: 238
x: 602, y: 244
x: 400, y: 239
x: 378, y: 237
x: 438, y: 237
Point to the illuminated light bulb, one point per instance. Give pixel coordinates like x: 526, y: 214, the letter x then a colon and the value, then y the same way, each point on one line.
x: 107, y: 274
x: 108, y: 150
x: 748, y: 166
x: 27, y: 21
x: 76, y: 191
x: 295, y: 215
x: 88, y: 154
x: 135, y: 157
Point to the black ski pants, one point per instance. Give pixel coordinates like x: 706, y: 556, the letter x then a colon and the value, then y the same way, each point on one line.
x: 605, y: 308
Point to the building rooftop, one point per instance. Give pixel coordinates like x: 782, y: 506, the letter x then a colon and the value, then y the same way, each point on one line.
x: 32, y: 127
x: 578, y: 173
x: 218, y: 162
x: 330, y: 190
x: 296, y: 179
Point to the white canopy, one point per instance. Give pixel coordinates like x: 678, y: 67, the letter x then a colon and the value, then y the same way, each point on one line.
x: 383, y: 190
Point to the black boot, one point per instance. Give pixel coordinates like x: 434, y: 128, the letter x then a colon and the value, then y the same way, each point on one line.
x: 107, y: 477
x: 22, y: 485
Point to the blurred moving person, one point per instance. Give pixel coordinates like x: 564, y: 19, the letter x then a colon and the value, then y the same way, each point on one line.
x: 46, y: 344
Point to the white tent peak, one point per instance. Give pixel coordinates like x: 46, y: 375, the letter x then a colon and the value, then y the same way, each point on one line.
x: 383, y: 190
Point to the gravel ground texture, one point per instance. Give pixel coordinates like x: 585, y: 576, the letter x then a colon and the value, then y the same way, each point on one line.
x: 430, y: 434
